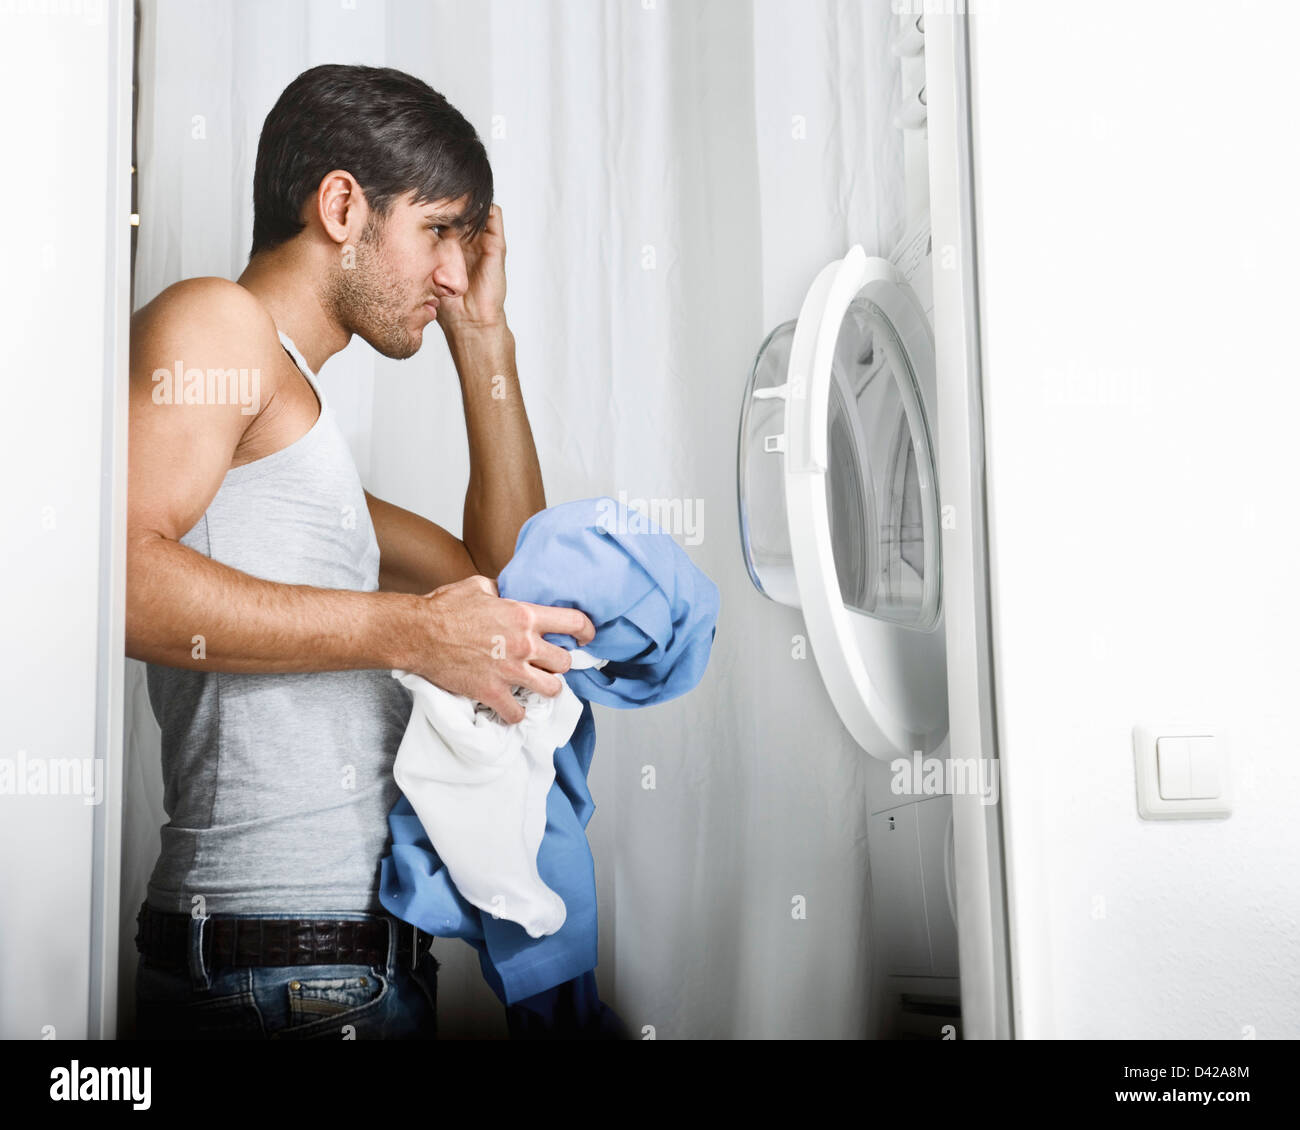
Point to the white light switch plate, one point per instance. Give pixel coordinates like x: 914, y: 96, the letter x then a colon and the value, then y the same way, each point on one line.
x: 1204, y: 769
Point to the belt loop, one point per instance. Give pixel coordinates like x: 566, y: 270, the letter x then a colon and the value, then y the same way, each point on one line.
x: 200, y: 974
x: 391, y: 968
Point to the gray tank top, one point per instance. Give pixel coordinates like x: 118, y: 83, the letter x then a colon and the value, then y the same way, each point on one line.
x: 277, y: 787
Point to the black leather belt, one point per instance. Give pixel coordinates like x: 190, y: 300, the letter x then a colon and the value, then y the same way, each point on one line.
x: 164, y: 938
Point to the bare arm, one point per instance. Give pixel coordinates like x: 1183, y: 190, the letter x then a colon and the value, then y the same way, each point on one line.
x: 178, y: 455
x: 505, y: 481
x: 416, y: 555
x: 505, y: 478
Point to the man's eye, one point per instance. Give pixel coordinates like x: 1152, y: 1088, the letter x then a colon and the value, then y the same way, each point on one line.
x: 439, y: 228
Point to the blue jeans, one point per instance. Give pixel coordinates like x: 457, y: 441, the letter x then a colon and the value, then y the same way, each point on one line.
x: 385, y: 1001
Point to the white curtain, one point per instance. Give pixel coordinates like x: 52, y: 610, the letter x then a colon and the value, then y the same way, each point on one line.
x: 672, y: 175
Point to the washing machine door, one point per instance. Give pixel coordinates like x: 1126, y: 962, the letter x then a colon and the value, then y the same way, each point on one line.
x: 861, y: 504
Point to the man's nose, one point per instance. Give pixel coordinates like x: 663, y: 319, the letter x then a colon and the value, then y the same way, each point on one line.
x: 450, y: 273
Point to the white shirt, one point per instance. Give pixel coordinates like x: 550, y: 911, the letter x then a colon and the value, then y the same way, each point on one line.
x: 479, y: 787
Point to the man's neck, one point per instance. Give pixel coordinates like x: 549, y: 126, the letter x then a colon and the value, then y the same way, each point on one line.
x: 283, y: 283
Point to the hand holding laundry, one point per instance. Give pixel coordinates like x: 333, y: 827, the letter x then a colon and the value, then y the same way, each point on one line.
x: 473, y: 642
x: 655, y: 616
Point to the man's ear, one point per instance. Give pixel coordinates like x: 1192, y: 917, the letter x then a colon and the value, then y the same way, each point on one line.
x: 341, y: 207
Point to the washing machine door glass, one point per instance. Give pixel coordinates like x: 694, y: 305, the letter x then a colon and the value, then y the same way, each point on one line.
x: 884, y: 522
x: 760, y: 471
x: 878, y: 462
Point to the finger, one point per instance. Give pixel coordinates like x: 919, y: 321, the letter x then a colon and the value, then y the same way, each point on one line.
x: 514, y: 713
x: 563, y: 622
x: 551, y: 657
x: 535, y: 679
x: 487, y: 584
x: 506, y: 706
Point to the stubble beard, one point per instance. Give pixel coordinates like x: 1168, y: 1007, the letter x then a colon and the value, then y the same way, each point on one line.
x: 368, y: 301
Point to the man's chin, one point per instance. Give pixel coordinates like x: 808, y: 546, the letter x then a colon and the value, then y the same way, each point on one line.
x: 398, y: 345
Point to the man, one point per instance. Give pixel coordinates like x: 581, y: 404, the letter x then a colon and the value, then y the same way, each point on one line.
x: 271, y: 596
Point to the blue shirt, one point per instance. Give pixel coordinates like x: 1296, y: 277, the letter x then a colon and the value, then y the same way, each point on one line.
x: 655, y: 615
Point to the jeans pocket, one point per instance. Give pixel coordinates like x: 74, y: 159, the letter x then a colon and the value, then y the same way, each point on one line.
x: 328, y: 996
x: 332, y: 1001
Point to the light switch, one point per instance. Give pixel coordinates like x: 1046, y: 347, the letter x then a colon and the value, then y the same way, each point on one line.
x: 1182, y: 771
x: 1203, y: 764
x: 1175, y: 768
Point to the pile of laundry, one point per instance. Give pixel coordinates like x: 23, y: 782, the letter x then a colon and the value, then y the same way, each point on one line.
x: 489, y: 838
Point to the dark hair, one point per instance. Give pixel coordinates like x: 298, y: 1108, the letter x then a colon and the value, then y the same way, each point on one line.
x: 388, y: 129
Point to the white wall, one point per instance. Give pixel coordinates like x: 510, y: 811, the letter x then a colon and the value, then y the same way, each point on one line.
x: 1137, y: 190
x: 63, y: 294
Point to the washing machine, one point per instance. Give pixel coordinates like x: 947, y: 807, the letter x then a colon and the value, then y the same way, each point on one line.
x: 839, y: 512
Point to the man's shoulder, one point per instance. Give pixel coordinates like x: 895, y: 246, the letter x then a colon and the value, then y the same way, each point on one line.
x: 208, y: 314
x: 208, y: 293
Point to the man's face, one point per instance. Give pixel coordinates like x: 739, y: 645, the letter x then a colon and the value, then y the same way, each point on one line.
x: 412, y: 257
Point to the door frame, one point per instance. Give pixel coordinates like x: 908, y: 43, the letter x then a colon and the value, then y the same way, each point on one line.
x: 983, y: 894
x: 106, y: 875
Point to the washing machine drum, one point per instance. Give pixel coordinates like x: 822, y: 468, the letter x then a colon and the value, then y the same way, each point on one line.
x: 838, y: 509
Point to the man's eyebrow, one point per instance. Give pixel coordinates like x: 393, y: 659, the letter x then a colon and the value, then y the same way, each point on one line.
x: 448, y: 218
